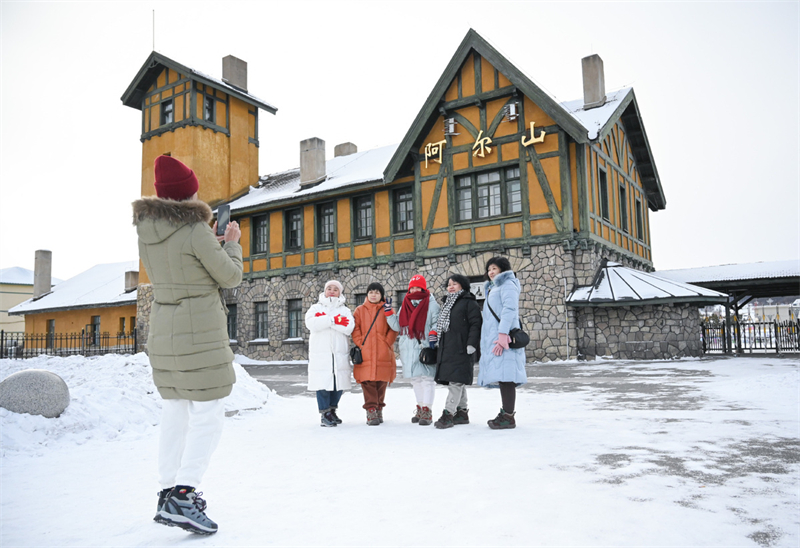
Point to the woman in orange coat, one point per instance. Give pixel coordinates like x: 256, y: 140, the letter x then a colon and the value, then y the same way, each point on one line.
x: 375, y: 332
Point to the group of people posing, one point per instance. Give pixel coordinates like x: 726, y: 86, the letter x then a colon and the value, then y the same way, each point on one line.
x: 457, y: 332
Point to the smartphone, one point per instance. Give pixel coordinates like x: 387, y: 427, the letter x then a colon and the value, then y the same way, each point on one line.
x: 223, y: 218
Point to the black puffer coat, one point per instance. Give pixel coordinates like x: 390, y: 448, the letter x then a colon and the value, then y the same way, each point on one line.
x: 454, y: 364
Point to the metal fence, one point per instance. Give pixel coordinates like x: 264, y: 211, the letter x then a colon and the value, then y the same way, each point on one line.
x: 16, y: 345
x: 751, y: 337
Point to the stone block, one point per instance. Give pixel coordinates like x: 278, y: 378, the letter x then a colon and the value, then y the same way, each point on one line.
x: 36, y: 392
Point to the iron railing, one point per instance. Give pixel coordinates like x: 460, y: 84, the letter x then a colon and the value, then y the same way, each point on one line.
x: 16, y: 345
x: 751, y: 337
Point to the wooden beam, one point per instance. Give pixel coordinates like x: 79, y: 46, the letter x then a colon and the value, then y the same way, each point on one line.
x: 533, y: 158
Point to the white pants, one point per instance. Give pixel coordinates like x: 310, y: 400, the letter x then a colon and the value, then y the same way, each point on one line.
x: 456, y: 397
x: 424, y: 388
x: 190, y: 432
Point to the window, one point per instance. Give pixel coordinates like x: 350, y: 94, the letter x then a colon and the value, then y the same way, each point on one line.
x: 603, y: 184
x: 623, y: 208
x: 359, y: 298
x: 488, y: 194
x: 166, y: 112
x: 295, y: 317
x: 639, y: 221
x: 51, y: 333
x: 262, y: 329
x: 260, y: 235
x: 401, y: 295
x: 209, y: 109
x: 326, y: 223
x: 94, y: 331
x: 363, y: 217
x: 232, y: 322
x: 294, y: 228
x: 122, y: 325
x: 403, y: 210
x: 133, y: 324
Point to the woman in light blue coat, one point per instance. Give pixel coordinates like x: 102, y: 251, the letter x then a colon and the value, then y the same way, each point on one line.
x: 499, y: 364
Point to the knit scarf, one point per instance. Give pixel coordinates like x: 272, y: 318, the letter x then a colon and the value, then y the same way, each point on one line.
x: 413, y: 317
x: 444, y: 314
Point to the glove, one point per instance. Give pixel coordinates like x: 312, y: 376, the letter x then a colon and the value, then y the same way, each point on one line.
x: 341, y: 320
x: 503, y: 340
x: 318, y: 314
x: 387, y: 307
x: 497, y: 350
x: 433, y: 338
x: 470, y: 349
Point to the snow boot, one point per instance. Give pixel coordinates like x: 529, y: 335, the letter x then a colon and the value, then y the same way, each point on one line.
x: 445, y: 421
x: 502, y: 421
x: 185, y: 509
x: 335, y: 417
x: 425, y: 416
x: 372, y: 417
x: 417, y: 413
x: 327, y: 419
x: 461, y: 416
x: 380, y: 415
x: 162, y: 496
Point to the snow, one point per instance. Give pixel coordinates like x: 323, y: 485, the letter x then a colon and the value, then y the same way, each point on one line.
x: 596, y: 118
x: 101, y: 285
x: 607, y: 453
x: 743, y: 271
x: 16, y: 275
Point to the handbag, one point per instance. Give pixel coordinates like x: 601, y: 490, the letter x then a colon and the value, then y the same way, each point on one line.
x: 519, y: 339
x: 428, y: 356
x: 355, y: 352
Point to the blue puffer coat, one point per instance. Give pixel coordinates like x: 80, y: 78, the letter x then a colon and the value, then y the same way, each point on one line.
x: 503, y: 295
x: 410, y: 347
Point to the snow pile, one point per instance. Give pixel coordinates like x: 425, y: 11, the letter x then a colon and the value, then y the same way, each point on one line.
x: 112, y: 397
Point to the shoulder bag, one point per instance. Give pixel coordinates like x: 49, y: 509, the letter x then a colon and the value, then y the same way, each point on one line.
x: 355, y: 352
x: 519, y: 339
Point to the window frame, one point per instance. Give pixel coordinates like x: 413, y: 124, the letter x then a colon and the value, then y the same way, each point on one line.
x: 209, y: 100
x: 294, y: 326
x: 321, y: 215
x: 397, y: 202
x: 639, y: 221
x: 259, y: 243
x: 167, y: 115
x: 233, y: 314
x: 261, y: 315
x: 289, y: 219
x: 622, y: 197
x: 497, y: 196
x: 602, y: 191
x: 358, y: 225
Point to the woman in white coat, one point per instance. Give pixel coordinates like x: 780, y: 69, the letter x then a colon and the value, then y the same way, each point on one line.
x: 330, y: 323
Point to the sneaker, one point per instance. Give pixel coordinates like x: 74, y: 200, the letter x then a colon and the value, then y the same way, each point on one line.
x: 335, y: 417
x: 461, y: 416
x: 417, y: 413
x: 445, y: 421
x: 327, y: 419
x: 184, y: 508
x: 502, y: 421
x: 162, y: 496
x: 380, y: 415
x: 372, y: 417
x: 425, y: 416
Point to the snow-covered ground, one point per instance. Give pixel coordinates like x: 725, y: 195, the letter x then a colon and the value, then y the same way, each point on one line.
x: 608, y: 453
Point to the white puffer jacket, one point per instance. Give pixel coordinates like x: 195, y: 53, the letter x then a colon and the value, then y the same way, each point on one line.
x: 329, y: 344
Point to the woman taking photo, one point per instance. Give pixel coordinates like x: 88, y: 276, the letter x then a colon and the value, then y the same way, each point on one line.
x: 459, y: 329
x: 499, y: 364
x: 418, y: 316
x: 375, y: 332
x: 330, y: 323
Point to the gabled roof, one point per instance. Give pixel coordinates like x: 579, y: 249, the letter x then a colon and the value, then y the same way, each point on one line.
x: 156, y: 62
x: 102, y: 285
x: 16, y: 275
x: 617, y: 285
x: 582, y: 126
x: 342, y: 171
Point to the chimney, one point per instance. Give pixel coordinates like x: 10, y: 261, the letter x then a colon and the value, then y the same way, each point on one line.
x: 234, y: 72
x: 594, y: 83
x: 312, y: 162
x: 131, y: 280
x: 42, y: 267
x: 345, y: 149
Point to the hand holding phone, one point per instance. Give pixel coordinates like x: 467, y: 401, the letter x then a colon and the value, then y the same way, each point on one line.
x: 223, y: 218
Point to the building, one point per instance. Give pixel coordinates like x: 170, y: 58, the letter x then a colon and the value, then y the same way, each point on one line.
x: 17, y: 285
x: 492, y: 165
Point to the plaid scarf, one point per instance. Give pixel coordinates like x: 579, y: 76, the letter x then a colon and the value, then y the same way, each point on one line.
x: 444, y: 314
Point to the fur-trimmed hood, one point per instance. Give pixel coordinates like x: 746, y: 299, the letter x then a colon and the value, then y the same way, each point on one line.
x: 157, y: 218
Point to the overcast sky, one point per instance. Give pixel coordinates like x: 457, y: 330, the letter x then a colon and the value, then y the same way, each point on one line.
x: 716, y: 82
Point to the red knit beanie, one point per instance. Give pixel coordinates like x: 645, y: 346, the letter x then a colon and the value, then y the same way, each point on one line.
x: 173, y: 179
x: 418, y: 281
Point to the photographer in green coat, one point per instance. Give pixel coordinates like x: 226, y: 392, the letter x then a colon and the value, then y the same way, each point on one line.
x: 188, y: 343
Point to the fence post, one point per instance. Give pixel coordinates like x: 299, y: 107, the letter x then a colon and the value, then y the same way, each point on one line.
x: 777, y: 337
x: 724, y: 337
x: 2, y: 343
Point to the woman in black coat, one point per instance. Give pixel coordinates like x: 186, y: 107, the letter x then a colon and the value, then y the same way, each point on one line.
x: 459, y: 329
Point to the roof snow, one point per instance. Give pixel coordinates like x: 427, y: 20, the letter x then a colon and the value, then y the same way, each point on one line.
x: 596, y: 118
x: 731, y: 272
x: 342, y: 171
x: 617, y: 285
x: 100, y: 286
x: 16, y: 275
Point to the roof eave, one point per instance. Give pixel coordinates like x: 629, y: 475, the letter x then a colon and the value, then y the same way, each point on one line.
x: 656, y: 199
x: 693, y: 299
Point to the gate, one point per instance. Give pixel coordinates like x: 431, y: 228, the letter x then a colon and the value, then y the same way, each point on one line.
x: 751, y: 337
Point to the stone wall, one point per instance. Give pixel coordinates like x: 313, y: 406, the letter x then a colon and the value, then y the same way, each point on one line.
x: 144, y: 302
x: 639, y: 332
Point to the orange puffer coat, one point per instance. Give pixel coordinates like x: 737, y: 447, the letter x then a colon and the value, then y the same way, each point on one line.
x: 378, y: 353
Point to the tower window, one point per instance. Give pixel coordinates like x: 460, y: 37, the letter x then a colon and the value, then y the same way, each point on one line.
x: 209, y: 110
x: 166, y: 112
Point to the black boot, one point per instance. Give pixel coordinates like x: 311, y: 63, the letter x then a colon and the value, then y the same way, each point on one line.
x: 461, y: 416
x: 502, y: 421
x: 445, y: 421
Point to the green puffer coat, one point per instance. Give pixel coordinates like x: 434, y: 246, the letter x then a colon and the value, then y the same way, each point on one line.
x: 188, y: 342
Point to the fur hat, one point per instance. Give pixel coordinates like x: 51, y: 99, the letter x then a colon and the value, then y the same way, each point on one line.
x: 173, y: 179
x: 336, y: 283
x: 418, y: 281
